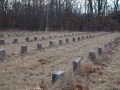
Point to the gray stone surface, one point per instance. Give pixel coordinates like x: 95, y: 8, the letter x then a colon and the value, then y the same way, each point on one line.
x: 2, y: 42
x: 76, y: 64
x: 39, y: 45
x: 57, y: 75
x: 15, y: 40
x: 67, y: 40
x: 43, y: 38
x: 51, y: 43
x: 27, y: 39
x: 92, y: 55
x: 23, y: 49
x: 106, y: 46
x: 73, y: 39
x: 100, y: 50
x: 1, y: 35
x: 35, y: 38
x: 49, y: 36
x: 110, y: 45
x: 2, y: 54
x: 60, y: 42
x: 82, y: 37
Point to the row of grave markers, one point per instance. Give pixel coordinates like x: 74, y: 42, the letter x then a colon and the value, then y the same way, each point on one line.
x: 77, y: 61
x: 39, y: 45
x: 43, y: 38
x: 36, y: 33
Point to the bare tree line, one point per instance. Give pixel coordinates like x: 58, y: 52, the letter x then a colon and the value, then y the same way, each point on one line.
x: 59, y: 15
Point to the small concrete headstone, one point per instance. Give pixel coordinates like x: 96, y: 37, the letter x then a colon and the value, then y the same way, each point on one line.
x: 27, y: 39
x: 1, y: 35
x: 76, y: 64
x: 67, y: 40
x: 78, y: 38
x: 112, y: 42
x: 60, y: 42
x: 92, y: 55
x: 2, y: 54
x: 39, y: 45
x: 55, y: 36
x: 35, y: 38
x: 23, y: 49
x: 73, y: 35
x: 2, y: 42
x: 90, y: 36
x: 9, y: 35
x: 51, y: 43
x: 15, y: 40
x: 110, y: 45
x: 106, y: 46
x: 43, y: 38
x: 82, y: 37
x: 57, y: 75
x: 99, y: 50
x: 86, y: 36
x: 73, y: 39
x: 49, y: 36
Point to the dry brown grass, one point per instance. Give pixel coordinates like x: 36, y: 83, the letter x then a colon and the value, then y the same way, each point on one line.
x: 25, y: 72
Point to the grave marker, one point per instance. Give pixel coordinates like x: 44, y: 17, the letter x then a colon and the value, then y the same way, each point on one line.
x: 57, y: 75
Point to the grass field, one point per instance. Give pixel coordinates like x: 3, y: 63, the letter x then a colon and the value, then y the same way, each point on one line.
x: 35, y: 67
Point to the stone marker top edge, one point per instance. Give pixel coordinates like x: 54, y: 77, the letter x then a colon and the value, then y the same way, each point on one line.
x: 100, y: 47
x: 91, y: 51
x: 76, y: 59
x: 2, y: 49
x: 59, y: 72
x: 24, y: 45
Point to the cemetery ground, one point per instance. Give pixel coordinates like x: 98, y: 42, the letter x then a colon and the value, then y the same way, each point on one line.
x: 35, y: 67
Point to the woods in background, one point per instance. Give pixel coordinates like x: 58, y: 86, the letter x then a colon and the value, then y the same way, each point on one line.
x: 60, y: 15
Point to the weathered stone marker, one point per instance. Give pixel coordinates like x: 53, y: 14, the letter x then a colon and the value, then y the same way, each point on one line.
x: 90, y: 36
x: 39, y: 45
x: 2, y: 54
x: 100, y: 50
x: 112, y: 42
x: 73, y: 39
x: 60, y: 42
x: 43, y: 38
x: 67, y: 40
x: 57, y: 75
x: 55, y: 36
x: 15, y: 40
x: 82, y: 37
x: 35, y: 38
x: 2, y: 42
x: 51, y: 43
x: 49, y: 36
x: 9, y: 35
x: 106, y: 46
x: 1, y: 35
x: 73, y: 35
x: 78, y: 38
x: 27, y: 39
x: 110, y: 45
x: 76, y: 64
x: 92, y: 55
x: 23, y: 49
